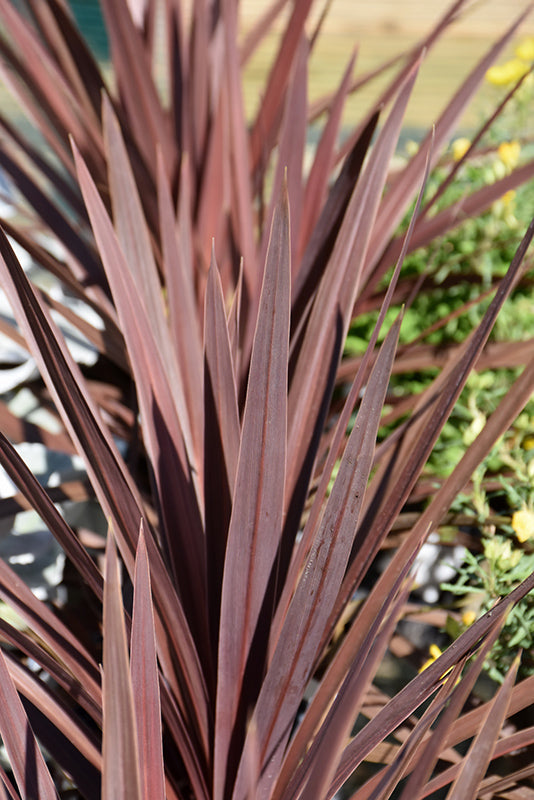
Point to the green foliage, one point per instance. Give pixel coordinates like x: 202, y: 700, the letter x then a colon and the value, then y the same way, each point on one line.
x: 459, y: 268
x: 482, y: 580
x: 479, y: 250
x: 506, y: 555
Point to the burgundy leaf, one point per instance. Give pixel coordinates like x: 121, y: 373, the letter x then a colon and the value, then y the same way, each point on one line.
x: 7, y: 789
x: 176, y: 481
x: 215, y: 185
x: 120, y: 753
x: 78, y: 412
x: 55, y: 178
x: 31, y: 772
x: 131, y: 228
x: 330, y: 315
x: 301, y: 552
x: 484, y: 128
x: 291, y: 149
x: 112, y: 486
x: 93, y: 295
x: 265, y: 128
x: 51, y: 91
x: 301, y: 634
x: 222, y: 435
x: 40, y: 619
x: 199, y: 71
x: 147, y: 120
x: 67, y: 739
x: 317, y: 183
x: 504, y: 746
x: 320, y: 764
x: 54, y: 218
x: 52, y: 664
x: 388, y: 583
x: 433, y: 407
x: 260, y: 28
x: 241, y: 209
x: 38, y: 498
x: 403, y: 188
x: 183, y: 319
x: 256, y: 521
x: 71, y: 51
x: 475, y: 203
x: 322, y: 239
x: 466, y: 786
x: 429, y: 754
x: 145, y: 681
x: 423, y: 685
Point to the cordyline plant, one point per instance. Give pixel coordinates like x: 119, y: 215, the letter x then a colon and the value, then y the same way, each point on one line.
x: 225, y: 278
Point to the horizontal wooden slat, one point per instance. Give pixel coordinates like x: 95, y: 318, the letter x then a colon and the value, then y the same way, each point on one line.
x: 487, y: 18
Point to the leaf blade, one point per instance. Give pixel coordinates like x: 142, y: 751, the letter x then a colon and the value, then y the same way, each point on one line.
x: 120, y: 775
x: 301, y: 634
x: 466, y: 786
x: 256, y: 521
x: 145, y: 680
x: 31, y: 772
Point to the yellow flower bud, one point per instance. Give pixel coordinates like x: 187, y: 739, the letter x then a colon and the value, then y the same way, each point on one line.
x: 460, y: 147
x: 525, y: 50
x: 509, y: 153
x: 523, y: 524
x: 435, y: 653
x: 507, y: 73
x: 508, y: 198
x: 468, y: 617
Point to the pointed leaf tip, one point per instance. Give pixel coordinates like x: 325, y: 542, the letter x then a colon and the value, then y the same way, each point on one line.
x: 120, y: 779
x: 258, y: 503
x: 145, y: 679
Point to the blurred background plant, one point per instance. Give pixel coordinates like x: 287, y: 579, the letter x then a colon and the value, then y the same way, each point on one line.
x: 516, y: 120
x: 507, y: 558
x: 500, y: 500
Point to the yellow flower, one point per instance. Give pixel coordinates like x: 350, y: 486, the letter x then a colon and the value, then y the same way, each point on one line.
x: 508, y: 198
x: 523, y: 524
x: 528, y: 442
x: 460, y: 147
x: 468, y: 617
x: 509, y: 72
x: 435, y: 653
x: 504, y: 208
x: 509, y: 153
x: 525, y: 50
